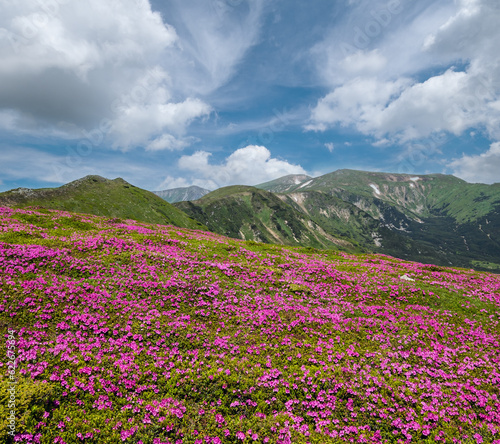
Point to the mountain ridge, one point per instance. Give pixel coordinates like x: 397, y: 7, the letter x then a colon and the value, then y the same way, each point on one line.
x: 461, y: 219
x: 435, y: 218
x: 97, y: 195
x: 182, y: 194
x: 250, y: 213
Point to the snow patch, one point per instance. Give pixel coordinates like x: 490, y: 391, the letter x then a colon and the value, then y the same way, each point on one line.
x: 415, y: 179
x: 303, y: 185
x: 375, y: 188
x: 377, y: 239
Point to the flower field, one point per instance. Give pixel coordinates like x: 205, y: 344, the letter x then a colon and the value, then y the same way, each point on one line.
x: 136, y: 333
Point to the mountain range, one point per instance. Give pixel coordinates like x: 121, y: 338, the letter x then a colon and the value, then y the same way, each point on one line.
x: 182, y: 194
x: 437, y: 219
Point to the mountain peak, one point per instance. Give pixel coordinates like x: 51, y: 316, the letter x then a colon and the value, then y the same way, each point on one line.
x: 89, y: 178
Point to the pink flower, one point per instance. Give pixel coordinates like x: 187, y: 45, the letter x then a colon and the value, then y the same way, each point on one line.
x: 240, y: 435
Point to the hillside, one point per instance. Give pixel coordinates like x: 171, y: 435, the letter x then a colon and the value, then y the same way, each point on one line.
x: 182, y: 194
x: 436, y: 218
x: 136, y: 333
x: 103, y: 197
x: 249, y: 213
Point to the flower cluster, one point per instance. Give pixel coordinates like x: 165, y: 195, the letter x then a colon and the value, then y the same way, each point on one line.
x: 129, y: 332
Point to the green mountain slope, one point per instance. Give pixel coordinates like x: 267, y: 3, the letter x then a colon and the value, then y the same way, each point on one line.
x: 414, y: 195
x: 252, y: 214
x: 157, y: 334
x: 102, y: 197
x: 437, y: 218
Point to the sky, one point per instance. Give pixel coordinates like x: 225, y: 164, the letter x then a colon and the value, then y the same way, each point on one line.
x: 173, y: 93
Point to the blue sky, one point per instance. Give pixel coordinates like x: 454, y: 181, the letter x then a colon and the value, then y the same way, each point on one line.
x: 219, y: 92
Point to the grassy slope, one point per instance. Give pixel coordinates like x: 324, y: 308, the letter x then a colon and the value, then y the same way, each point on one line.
x: 461, y: 221
x: 133, y: 332
x: 403, y: 217
x: 96, y: 195
x: 433, y: 193
x: 249, y: 213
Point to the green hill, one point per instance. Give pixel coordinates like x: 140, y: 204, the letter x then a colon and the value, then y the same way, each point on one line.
x: 102, y: 197
x: 249, y: 213
x: 435, y: 218
x: 153, y: 334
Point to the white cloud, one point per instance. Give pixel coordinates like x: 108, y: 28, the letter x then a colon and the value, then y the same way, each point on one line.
x: 330, y: 146
x: 214, y: 37
x: 168, y: 142
x: 381, y: 143
x: 68, y: 66
x: 483, y: 168
x: 364, y: 62
x: 173, y: 182
x: 246, y: 166
x: 457, y: 99
x: 136, y: 123
x: 359, y: 102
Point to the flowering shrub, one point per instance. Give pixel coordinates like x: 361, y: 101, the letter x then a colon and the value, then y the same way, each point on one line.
x: 136, y: 333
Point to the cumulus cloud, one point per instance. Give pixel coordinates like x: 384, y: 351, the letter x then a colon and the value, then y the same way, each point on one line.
x: 168, y: 142
x: 388, y: 100
x: 136, y: 123
x: 483, y: 168
x: 358, y: 102
x: 246, y: 166
x: 70, y: 66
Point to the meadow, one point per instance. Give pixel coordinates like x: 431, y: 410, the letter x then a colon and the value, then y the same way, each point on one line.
x: 127, y: 332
